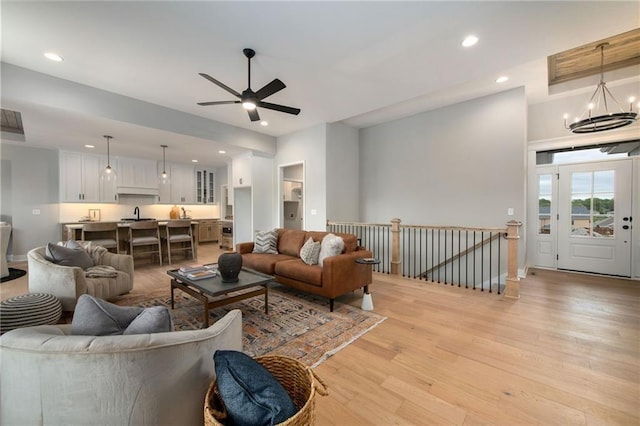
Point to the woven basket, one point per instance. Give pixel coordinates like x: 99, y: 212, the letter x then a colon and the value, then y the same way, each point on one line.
x: 300, y: 382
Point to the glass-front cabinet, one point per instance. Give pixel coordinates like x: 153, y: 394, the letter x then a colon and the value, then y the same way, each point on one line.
x: 205, y: 186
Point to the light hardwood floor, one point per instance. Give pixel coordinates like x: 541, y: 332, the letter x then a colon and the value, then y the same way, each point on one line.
x: 566, y: 353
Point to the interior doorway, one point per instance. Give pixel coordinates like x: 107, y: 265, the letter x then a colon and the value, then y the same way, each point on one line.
x: 292, y: 196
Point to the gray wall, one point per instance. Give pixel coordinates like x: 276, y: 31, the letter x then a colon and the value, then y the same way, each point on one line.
x: 30, y: 181
x: 343, y: 173
x: 308, y: 146
x: 460, y: 165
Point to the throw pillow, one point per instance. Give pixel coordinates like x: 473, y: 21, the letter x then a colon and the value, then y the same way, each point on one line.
x: 66, y: 256
x: 332, y: 245
x: 266, y: 242
x: 155, y: 319
x: 251, y: 395
x: 96, y: 317
x: 310, y: 252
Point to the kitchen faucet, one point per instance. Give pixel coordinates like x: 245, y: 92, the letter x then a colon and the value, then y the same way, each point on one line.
x: 136, y: 211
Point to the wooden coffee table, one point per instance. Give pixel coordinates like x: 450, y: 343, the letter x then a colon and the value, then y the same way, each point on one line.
x: 212, y: 292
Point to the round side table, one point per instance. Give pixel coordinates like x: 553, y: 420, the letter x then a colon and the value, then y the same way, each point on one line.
x: 28, y: 310
x: 367, y: 300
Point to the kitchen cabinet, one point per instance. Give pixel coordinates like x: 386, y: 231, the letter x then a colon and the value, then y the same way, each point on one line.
x: 80, y: 179
x: 139, y: 174
x: 205, y: 186
x: 181, y: 186
x: 209, y: 230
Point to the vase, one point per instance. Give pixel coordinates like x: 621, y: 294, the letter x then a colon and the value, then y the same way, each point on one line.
x: 229, y: 265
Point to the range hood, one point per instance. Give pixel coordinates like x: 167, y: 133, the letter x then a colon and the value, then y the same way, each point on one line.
x: 136, y: 190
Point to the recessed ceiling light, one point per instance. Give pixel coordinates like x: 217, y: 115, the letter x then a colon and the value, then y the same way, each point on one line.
x: 222, y: 152
x: 53, y: 56
x: 502, y: 79
x: 89, y: 146
x: 194, y: 161
x: 264, y: 123
x: 469, y: 41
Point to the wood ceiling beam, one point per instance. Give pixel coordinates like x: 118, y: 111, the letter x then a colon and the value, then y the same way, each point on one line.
x: 623, y: 51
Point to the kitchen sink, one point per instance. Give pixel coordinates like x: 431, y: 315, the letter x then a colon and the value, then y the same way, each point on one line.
x: 133, y: 219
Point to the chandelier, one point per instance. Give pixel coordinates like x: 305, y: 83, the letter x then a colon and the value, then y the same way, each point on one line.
x: 590, y: 123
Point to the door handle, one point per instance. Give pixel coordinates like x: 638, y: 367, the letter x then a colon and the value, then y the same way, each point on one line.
x: 625, y: 226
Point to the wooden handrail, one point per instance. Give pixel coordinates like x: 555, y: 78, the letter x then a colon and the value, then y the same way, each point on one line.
x: 512, y: 284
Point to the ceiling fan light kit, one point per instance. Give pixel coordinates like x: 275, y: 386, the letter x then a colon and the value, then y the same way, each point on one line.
x: 607, y: 120
x: 249, y: 99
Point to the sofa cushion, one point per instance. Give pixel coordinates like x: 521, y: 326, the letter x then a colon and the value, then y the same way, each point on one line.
x: 298, y: 270
x: 251, y: 394
x: 263, y: 262
x: 332, y: 245
x: 66, y: 256
x: 290, y: 241
x: 266, y: 242
x: 310, y: 252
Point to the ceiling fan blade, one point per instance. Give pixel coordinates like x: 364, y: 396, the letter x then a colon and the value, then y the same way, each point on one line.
x: 253, y: 114
x: 281, y: 108
x: 219, y: 84
x: 269, y: 89
x: 218, y: 103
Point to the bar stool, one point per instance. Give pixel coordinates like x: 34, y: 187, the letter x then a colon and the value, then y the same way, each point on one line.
x: 103, y: 234
x: 179, y: 231
x: 145, y: 233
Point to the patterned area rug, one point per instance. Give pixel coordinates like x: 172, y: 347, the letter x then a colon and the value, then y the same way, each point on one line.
x: 298, y: 325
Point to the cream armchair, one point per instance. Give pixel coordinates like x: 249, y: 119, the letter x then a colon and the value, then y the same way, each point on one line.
x: 48, y: 377
x: 68, y: 283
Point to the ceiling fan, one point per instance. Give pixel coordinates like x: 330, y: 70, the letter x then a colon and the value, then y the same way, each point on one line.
x: 250, y: 99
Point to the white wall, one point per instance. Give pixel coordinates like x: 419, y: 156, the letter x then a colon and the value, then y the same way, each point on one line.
x: 546, y: 119
x: 308, y: 146
x: 343, y: 173
x: 30, y: 182
x: 263, y: 194
x: 460, y: 165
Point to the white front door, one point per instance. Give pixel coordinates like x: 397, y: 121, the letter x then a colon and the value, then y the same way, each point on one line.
x: 594, y: 217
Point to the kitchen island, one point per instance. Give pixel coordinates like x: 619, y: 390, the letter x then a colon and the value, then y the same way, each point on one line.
x: 73, y: 231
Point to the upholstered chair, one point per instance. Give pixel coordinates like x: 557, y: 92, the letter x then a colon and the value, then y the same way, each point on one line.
x: 67, y: 283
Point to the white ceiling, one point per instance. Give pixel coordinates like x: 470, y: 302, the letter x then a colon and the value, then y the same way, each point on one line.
x: 361, y: 63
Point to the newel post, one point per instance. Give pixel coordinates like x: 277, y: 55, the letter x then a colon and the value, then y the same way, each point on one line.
x: 512, y: 284
x: 395, y: 246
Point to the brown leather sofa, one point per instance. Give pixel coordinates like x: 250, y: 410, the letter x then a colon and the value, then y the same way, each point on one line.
x: 339, y: 274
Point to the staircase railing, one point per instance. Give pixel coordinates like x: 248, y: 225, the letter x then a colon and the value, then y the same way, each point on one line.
x: 476, y: 258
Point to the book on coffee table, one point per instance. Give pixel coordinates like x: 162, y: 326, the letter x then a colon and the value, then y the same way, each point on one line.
x: 199, y: 275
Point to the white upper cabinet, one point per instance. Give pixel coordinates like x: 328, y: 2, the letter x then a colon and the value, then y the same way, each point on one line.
x: 80, y: 179
x: 183, y: 189
x: 181, y: 186
x: 205, y: 186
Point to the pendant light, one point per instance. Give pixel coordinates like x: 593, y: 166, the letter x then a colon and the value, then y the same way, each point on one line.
x: 163, y: 179
x: 590, y: 121
x: 108, y: 174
